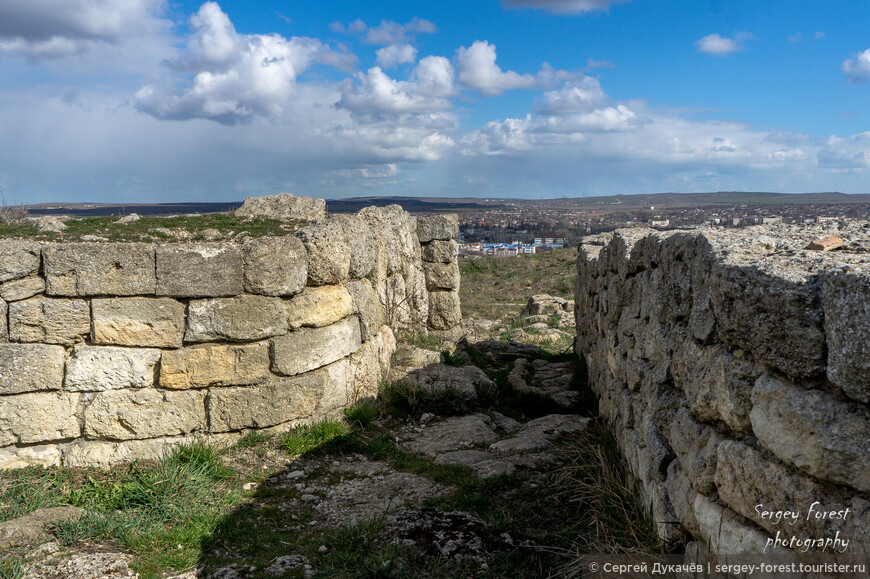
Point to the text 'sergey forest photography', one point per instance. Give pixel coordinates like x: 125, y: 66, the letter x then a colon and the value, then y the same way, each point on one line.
x: 499, y: 289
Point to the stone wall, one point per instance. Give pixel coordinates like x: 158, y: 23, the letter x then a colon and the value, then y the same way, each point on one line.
x: 112, y: 351
x: 734, y: 366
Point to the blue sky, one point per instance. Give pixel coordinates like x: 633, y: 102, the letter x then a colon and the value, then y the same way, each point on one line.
x: 158, y: 100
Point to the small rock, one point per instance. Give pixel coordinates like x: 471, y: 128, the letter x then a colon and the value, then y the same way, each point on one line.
x: 249, y: 486
x: 426, y: 418
x: 293, y: 475
x: 322, y: 549
x: 826, y: 243
x: 133, y: 217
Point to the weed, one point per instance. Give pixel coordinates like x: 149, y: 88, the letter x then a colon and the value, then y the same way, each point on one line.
x: 421, y: 340
x: 252, y: 439
x: 306, y: 438
x: 11, y: 568
x: 402, y: 401
x: 363, y: 413
x: 452, y: 359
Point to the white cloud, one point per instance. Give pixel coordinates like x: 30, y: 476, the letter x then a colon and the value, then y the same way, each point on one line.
x: 378, y: 94
x: 396, y: 54
x: 857, y: 68
x: 39, y: 29
x: 235, y: 76
x: 387, y: 32
x: 563, y: 6
x: 717, y: 45
x: 576, y: 96
x: 477, y: 69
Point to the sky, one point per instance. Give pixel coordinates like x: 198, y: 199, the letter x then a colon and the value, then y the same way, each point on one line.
x: 162, y: 100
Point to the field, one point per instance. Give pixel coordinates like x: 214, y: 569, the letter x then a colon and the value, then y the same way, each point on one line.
x: 495, y: 287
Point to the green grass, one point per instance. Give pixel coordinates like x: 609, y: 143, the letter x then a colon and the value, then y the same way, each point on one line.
x: 402, y: 401
x: 363, y: 413
x: 148, y: 228
x: 495, y: 287
x: 304, y: 439
x: 420, y: 340
x: 253, y: 439
x: 11, y: 568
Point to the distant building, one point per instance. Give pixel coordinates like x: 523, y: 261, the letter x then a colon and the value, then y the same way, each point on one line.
x: 659, y: 222
x: 771, y: 220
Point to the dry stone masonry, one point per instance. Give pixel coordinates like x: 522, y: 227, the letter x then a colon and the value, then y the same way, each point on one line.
x: 114, y: 351
x: 735, y: 368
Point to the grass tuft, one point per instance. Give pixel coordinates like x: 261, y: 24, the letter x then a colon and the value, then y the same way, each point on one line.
x: 306, y: 438
x: 363, y: 413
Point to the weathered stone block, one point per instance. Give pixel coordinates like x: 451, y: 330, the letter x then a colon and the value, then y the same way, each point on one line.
x: 283, y: 206
x: 695, y: 446
x: 144, y: 322
x: 716, y: 384
x: 96, y: 368
x: 328, y: 252
x: 846, y: 303
x: 752, y: 484
x: 366, y: 306
x: 441, y: 276
x: 437, y: 227
x: 725, y: 532
x: 101, y: 454
x: 199, y: 270
x: 318, y: 306
x: 308, y: 349
x: 99, y: 269
x: 275, y: 266
x: 215, y: 365
x: 21, y: 289
x: 268, y: 405
x: 48, y: 320
x: 146, y: 413
x: 41, y: 417
x: 441, y: 251
x: 444, y: 312
x: 242, y: 318
x: 18, y: 259
x: 364, y: 244
x: 43, y: 455
x: 30, y: 368
x: 4, y: 325
x: 813, y: 431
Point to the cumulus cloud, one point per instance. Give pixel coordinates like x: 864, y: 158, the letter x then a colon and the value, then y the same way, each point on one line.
x: 387, y: 32
x: 38, y: 29
x: 563, y: 6
x: 857, y: 68
x: 576, y: 96
x: 396, y: 54
x: 717, y: 45
x: 234, y: 76
x: 477, y: 69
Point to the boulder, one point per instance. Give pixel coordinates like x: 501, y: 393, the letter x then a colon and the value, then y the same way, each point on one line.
x: 283, y: 206
x: 469, y: 382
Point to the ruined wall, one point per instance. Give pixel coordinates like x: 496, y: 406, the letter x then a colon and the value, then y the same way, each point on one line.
x: 112, y: 351
x: 735, y: 368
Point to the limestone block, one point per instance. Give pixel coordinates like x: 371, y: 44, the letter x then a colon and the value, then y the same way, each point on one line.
x: 770, y: 308
x: 444, y: 312
x: 813, y: 431
x: 18, y: 259
x: 846, y: 303
x: 43, y: 455
x: 145, y: 413
x: 338, y: 389
x: 716, y: 383
x: 99, y: 269
x: 366, y: 306
x: 328, y: 253
x: 725, y: 532
x: 48, y: 320
x: 282, y: 206
x: 21, y: 289
x: 441, y: 276
x: 363, y: 243
x: 695, y: 446
x: 30, y: 367
x: 96, y: 368
x: 275, y: 266
x: 101, y: 454
x: 242, y: 318
x: 4, y: 325
x: 215, y: 365
x: 682, y: 497
x: 282, y: 400
x: 308, y: 349
x: 441, y: 251
x: 199, y: 270
x: 41, y: 417
x: 144, y: 322
x: 318, y: 306
x: 370, y: 365
x: 437, y: 227
x: 751, y: 484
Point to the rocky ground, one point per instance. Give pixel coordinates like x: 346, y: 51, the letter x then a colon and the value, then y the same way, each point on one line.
x: 454, y: 473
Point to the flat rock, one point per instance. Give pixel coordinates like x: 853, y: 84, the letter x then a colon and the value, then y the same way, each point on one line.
x: 30, y: 529
x: 469, y: 382
x: 455, y: 433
